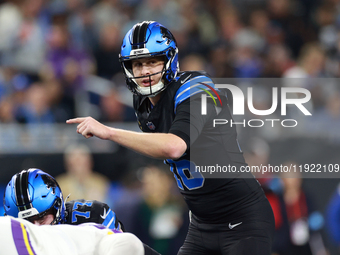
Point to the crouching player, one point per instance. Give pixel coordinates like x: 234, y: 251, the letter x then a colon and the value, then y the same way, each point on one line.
x: 19, y: 236
x: 35, y: 196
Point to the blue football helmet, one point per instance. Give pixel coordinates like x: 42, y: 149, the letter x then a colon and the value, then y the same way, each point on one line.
x: 149, y: 39
x: 33, y: 192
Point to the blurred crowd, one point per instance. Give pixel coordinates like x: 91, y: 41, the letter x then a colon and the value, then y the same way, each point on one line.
x: 59, y: 58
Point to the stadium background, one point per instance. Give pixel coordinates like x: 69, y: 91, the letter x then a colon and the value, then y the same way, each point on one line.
x: 59, y: 59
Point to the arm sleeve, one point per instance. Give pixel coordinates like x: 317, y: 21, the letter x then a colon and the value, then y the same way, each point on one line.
x: 189, y: 122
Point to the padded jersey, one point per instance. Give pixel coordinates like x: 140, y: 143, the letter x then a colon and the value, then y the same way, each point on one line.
x: 178, y: 111
x: 83, y: 211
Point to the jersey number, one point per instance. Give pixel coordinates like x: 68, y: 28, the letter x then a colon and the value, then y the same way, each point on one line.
x: 186, y: 175
x: 76, y: 213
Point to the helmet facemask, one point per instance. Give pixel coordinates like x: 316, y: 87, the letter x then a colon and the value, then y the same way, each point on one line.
x: 58, y: 210
x: 150, y: 90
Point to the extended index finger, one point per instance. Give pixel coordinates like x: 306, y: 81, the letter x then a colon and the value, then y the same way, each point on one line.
x: 75, y: 120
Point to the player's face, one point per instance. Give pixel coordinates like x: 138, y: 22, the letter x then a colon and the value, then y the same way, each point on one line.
x: 47, y: 219
x: 148, y: 66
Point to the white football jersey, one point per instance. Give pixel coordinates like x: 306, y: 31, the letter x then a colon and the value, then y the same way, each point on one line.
x: 19, y: 237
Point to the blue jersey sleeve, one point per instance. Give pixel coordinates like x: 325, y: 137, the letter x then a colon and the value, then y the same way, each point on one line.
x: 84, y: 211
x: 111, y: 221
x: 192, y: 86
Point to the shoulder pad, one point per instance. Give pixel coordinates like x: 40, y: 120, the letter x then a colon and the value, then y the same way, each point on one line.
x: 192, y: 84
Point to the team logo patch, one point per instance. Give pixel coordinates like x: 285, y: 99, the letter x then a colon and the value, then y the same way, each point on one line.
x: 150, y: 125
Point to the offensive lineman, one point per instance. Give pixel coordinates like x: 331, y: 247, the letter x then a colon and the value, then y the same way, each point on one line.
x: 35, y: 196
x: 19, y: 237
x: 229, y: 215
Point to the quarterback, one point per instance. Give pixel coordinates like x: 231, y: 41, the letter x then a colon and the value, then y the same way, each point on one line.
x: 230, y: 215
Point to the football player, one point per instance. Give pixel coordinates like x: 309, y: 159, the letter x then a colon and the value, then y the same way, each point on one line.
x: 229, y: 215
x: 19, y: 236
x: 34, y: 195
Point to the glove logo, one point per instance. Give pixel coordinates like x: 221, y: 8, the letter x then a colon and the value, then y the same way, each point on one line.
x: 104, y: 214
